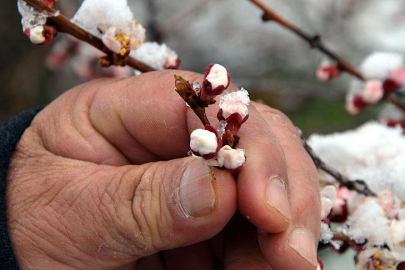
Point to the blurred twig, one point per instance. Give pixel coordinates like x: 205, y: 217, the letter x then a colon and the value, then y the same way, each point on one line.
x: 316, y: 43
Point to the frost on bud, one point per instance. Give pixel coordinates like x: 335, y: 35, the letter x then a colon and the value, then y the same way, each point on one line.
x: 234, y: 106
x: 373, y: 91
x: 327, y: 71
x: 328, y: 195
x: 216, y: 80
x: 234, y: 110
x: 204, y: 142
x: 230, y: 158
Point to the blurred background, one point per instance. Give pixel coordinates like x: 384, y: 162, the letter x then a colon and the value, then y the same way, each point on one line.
x: 273, y: 64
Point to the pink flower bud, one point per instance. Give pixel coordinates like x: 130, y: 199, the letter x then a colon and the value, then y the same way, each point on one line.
x: 172, y: 61
x: 203, y: 142
x: 216, y: 80
x: 394, y: 123
x: 356, y: 104
x: 327, y: 73
x: 234, y: 106
x: 395, y: 80
x: 231, y: 159
x: 372, y: 91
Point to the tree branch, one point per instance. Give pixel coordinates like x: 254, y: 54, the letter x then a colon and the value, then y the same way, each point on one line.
x: 314, y: 41
x: 64, y: 25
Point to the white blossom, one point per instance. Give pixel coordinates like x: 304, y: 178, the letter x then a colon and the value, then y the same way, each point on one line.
x: 203, y: 142
x: 328, y: 195
x: 113, y: 22
x: 231, y: 158
x: 374, y: 258
x: 217, y: 76
x: 158, y: 56
x: 397, y: 243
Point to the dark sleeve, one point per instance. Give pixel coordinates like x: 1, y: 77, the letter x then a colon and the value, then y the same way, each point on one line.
x: 10, y: 133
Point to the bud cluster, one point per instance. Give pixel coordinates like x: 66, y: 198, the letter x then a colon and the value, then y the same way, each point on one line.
x: 216, y: 146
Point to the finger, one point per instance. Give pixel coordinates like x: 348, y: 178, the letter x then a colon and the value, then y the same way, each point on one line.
x: 296, y: 247
x: 119, y: 121
x: 196, y: 257
x: 105, y: 216
x: 242, y: 250
x: 261, y: 183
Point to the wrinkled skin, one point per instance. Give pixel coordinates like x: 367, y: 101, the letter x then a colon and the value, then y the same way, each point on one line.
x: 95, y: 183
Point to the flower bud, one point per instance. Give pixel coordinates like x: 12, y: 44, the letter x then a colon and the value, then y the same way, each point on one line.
x: 234, y: 106
x: 36, y: 35
x: 216, y: 80
x: 203, y: 142
x: 327, y: 73
x: 395, y: 80
x: 356, y: 104
x: 231, y: 159
x: 372, y: 91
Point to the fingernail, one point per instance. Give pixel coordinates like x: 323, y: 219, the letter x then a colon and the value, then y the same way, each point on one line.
x: 197, y: 194
x: 276, y: 197
x: 303, y: 242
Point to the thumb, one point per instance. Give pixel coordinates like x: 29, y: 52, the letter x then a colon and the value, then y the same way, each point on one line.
x: 173, y: 203
x: 90, y: 216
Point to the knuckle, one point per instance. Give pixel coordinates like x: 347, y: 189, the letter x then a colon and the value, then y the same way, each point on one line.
x: 150, y: 211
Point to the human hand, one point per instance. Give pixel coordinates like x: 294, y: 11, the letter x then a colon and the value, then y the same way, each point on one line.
x: 102, y: 180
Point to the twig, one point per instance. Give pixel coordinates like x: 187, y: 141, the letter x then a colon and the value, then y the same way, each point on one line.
x: 64, y: 25
x: 395, y: 100
x: 316, y: 43
x: 359, y: 186
x: 341, y: 237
